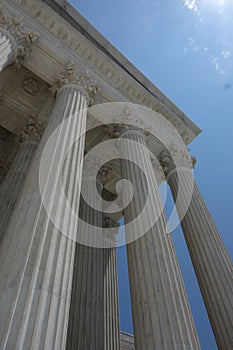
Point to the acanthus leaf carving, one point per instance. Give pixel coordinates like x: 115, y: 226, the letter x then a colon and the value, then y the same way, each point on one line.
x: 175, y: 157
x: 114, y: 130
x: 32, y: 131
x: 71, y: 75
x: 23, y: 38
x: 130, y: 120
x: 110, y: 223
x: 159, y: 173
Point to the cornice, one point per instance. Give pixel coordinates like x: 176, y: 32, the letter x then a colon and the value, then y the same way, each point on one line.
x: 114, y: 74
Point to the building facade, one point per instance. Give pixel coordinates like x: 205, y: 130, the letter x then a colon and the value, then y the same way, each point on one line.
x: 74, y: 112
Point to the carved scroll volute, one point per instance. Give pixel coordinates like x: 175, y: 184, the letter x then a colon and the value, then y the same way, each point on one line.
x: 21, y: 37
x: 31, y: 132
x: 175, y: 158
x: 74, y: 76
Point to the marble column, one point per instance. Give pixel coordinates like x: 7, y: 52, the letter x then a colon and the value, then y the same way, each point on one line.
x: 161, y: 315
x: 94, y: 310
x: 211, y: 262
x: 15, y: 40
x: 111, y: 297
x: 13, y: 182
x: 36, y: 258
x: 8, y: 49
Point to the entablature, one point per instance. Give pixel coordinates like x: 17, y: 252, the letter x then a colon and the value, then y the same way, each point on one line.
x: 64, y: 34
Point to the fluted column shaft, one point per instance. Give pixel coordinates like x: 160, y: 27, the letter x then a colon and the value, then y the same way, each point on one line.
x: 8, y: 49
x: 111, y: 301
x: 94, y: 310
x: 13, y: 182
x: 36, y: 258
x: 210, y: 259
x: 161, y: 313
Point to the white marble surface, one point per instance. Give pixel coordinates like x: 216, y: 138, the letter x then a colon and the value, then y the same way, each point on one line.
x: 211, y: 262
x: 161, y: 315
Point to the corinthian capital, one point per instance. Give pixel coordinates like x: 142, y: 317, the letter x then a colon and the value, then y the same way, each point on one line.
x: 129, y: 121
x: 22, y: 37
x: 32, y: 131
x: 73, y: 76
x: 174, y: 158
x: 114, y: 130
x: 110, y: 223
x: 135, y: 119
x: 159, y: 171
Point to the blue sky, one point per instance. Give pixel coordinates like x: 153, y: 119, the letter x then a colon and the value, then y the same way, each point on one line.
x: 186, y: 49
